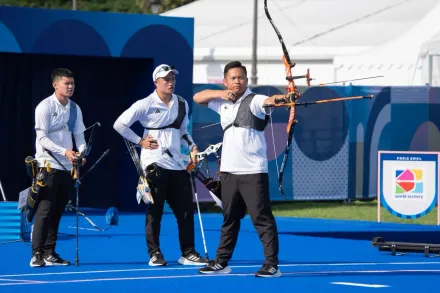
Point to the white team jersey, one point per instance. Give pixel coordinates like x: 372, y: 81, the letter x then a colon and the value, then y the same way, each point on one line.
x: 151, y: 112
x: 51, y: 119
x: 243, y: 149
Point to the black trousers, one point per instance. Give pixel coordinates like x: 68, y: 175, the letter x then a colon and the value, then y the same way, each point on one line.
x: 252, y: 192
x: 174, y: 186
x: 52, y: 201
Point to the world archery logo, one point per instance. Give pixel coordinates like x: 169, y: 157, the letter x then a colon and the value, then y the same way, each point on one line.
x: 409, y: 181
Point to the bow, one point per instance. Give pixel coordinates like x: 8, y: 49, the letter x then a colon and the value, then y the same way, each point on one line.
x: 211, y: 149
x: 77, y: 177
x: 39, y: 177
x: 81, y: 156
x: 85, y: 153
x: 194, y: 167
x: 89, y: 144
x: 143, y: 190
x: 294, y: 95
x: 290, y: 100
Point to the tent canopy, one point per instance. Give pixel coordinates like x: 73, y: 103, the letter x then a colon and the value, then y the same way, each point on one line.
x: 336, y: 39
x: 432, y: 46
x: 312, y: 28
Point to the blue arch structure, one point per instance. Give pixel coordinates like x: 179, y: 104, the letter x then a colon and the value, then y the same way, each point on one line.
x: 110, y: 54
x: 8, y: 43
x: 172, y: 50
x: 71, y: 37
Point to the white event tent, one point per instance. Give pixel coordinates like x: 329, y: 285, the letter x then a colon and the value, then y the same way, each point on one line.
x: 336, y: 39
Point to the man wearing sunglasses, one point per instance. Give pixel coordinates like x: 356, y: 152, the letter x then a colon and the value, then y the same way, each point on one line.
x: 164, y: 117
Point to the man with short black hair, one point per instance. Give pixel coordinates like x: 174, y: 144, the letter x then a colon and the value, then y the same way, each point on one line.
x: 56, y: 118
x: 164, y: 116
x: 244, y: 168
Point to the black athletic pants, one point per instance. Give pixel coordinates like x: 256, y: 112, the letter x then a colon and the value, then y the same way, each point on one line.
x: 174, y: 186
x: 252, y: 192
x: 52, y: 201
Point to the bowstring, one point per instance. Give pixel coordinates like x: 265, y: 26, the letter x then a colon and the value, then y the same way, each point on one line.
x: 134, y: 156
x: 270, y: 110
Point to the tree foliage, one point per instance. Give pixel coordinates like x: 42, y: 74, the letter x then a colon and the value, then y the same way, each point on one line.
x: 127, y: 6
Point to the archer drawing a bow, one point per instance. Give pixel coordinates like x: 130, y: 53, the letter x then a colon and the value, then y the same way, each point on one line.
x: 290, y: 99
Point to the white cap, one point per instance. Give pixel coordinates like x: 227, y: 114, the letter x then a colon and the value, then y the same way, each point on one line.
x: 162, y: 70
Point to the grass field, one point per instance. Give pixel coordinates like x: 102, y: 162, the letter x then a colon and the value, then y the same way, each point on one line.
x: 357, y: 210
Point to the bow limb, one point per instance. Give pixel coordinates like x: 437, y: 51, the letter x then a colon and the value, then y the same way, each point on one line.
x: 291, y: 88
x: 89, y: 143
x: 85, y: 152
x: 285, y: 157
x: 143, y: 188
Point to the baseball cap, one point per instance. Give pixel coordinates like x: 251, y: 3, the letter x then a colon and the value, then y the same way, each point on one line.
x: 162, y: 70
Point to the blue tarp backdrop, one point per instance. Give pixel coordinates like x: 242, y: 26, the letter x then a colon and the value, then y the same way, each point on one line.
x: 333, y: 154
x: 334, y: 149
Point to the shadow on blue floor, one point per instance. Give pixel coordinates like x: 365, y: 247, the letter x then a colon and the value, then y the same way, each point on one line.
x: 396, y: 236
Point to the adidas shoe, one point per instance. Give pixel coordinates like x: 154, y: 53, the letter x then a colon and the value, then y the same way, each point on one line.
x: 193, y: 259
x: 37, y: 260
x: 268, y: 271
x: 55, y: 260
x: 214, y: 267
x: 157, y: 260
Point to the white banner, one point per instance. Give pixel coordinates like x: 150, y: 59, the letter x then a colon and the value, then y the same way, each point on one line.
x: 408, y: 183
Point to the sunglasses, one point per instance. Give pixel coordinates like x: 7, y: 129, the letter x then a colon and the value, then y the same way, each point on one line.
x: 166, y: 68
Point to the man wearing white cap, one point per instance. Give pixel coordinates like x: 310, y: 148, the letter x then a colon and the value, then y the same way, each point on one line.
x: 164, y: 117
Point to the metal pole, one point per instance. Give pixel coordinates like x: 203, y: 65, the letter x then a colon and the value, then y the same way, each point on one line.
x: 155, y: 6
x: 430, y: 70
x: 254, y: 77
x: 73, y: 4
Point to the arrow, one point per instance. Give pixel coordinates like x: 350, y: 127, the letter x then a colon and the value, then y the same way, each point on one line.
x: 341, y: 81
x: 318, y: 102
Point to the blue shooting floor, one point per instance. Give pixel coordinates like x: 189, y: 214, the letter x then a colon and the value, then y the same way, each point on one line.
x: 315, y: 256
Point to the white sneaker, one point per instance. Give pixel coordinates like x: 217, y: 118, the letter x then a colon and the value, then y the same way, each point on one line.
x: 157, y: 259
x: 37, y: 260
x: 268, y: 271
x: 193, y: 259
x: 215, y: 268
x: 55, y: 260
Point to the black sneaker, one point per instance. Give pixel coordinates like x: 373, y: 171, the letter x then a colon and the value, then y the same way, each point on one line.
x: 157, y: 260
x: 214, y: 267
x: 37, y: 260
x: 268, y: 271
x: 193, y: 259
x: 55, y: 260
